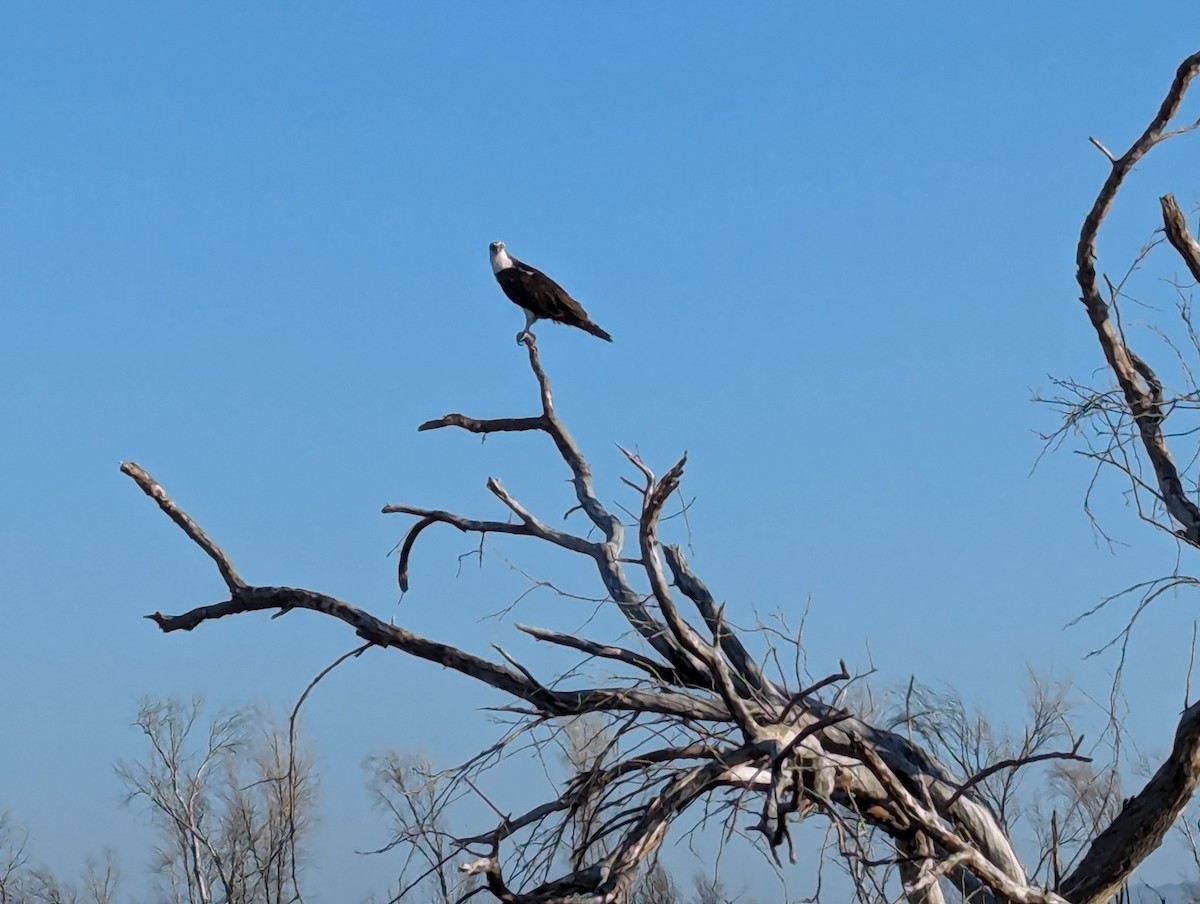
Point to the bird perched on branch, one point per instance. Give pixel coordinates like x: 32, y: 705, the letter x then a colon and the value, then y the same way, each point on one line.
x: 540, y: 296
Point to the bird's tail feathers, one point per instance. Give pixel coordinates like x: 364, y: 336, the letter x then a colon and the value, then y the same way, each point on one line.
x: 596, y: 331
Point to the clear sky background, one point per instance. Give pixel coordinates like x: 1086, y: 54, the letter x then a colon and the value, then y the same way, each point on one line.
x: 246, y: 246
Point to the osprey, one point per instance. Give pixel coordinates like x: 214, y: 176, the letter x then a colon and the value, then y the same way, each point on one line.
x: 540, y: 296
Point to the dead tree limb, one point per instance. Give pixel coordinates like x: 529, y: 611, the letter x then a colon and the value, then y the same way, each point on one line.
x: 1141, y: 389
x: 1143, y: 823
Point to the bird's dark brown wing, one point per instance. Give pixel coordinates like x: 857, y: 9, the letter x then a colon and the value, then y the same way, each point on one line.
x: 534, y: 290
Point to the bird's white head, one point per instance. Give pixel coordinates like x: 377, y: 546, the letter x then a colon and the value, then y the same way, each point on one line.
x: 500, y: 258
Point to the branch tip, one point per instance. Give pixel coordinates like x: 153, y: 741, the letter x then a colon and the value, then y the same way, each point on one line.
x: 155, y: 491
x: 1103, y: 150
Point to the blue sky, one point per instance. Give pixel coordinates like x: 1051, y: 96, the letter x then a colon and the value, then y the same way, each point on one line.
x: 246, y: 246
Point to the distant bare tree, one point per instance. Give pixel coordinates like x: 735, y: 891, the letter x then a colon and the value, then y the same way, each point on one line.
x: 655, y: 886
x: 408, y: 789
x: 710, y: 889
x: 971, y: 743
x: 14, y: 860
x: 707, y: 719
x: 23, y: 883
x: 232, y: 799
x: 100, y: 879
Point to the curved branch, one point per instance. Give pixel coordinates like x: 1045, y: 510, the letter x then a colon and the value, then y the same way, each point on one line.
x: 1145, y: 820
x: 406, y: 550
x: 648, y: 832
x: 430, y: 517
x: 797, y: 698
x: 529, y: 527
x: 1144, y: 403
x: 291, y: 770
x: 466, y: 525
x: 1139, y: 829
x: 608, y: 880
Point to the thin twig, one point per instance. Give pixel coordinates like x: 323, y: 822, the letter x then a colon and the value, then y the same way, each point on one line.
x: 1016, y: 763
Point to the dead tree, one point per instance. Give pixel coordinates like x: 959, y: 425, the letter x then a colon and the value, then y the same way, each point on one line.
x: 23, y: 883
x: 709, y: 720
x: 407, y: 788
x: 232, y: 800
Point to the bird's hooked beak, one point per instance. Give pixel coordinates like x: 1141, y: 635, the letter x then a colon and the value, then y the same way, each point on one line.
x: 496, y: 247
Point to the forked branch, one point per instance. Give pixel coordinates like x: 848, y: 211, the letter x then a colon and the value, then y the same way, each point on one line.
x: 1141, y: 389
x: 1141, y: 826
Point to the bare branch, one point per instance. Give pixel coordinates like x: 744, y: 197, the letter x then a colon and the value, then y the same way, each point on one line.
x: 659, y: 671
x: 1178, y: 234
x: 463, y: 524
x: 1016, y: 763
x: 843, y: 674
x: 1103, y: 150
x: 538, y: 528
x: 406, y: 550
x: 695, y: 590
x: 531, y: 528
x: 154, y: 490
x: 1144, y: 404
x: 292, y: 780
x: 380, y: 633
x: 490, y: 425
x: 1144, y: 821
x: 689, y: 651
